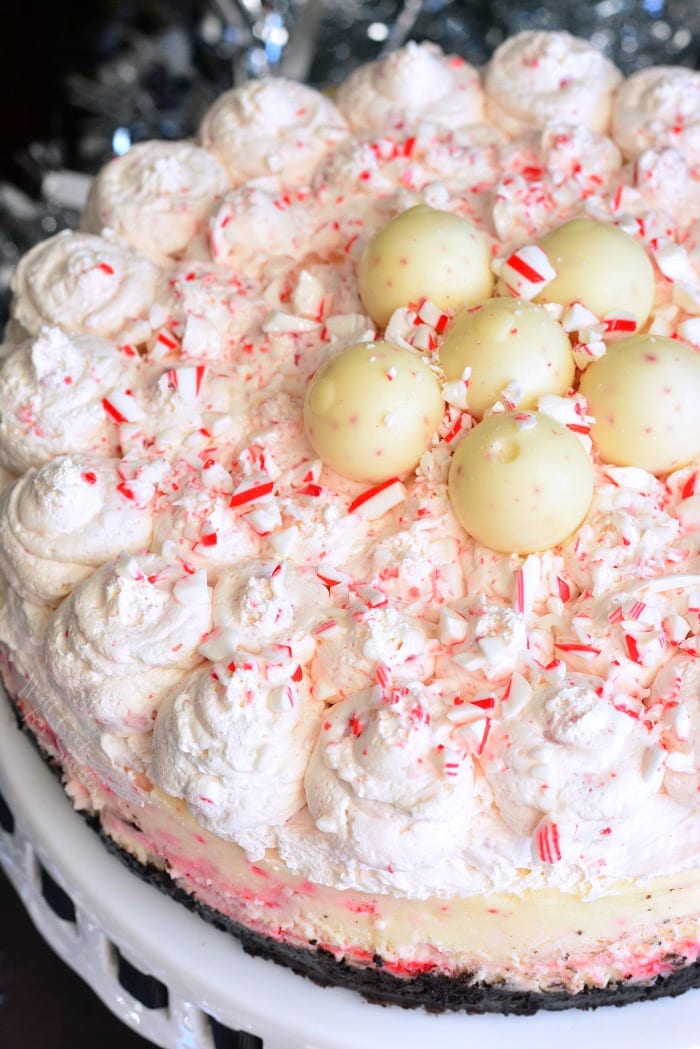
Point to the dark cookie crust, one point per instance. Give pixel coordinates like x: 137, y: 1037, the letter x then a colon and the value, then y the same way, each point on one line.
x: 434, y: 992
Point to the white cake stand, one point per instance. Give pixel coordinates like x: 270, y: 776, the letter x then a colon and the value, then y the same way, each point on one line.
x: 121, y: 921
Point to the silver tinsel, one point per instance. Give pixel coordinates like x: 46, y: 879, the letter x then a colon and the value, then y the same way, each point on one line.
x: 157, y: 85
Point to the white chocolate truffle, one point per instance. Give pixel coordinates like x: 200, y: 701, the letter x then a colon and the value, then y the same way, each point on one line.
x: 658, y: 107
x: 645, y: 397
x: 601, y: 266
x: 520, y: 482
x: 271, y: 127
x: 371, y: 411
x: 424, y: 253
x: 507, y: 343
x: 537, y: 78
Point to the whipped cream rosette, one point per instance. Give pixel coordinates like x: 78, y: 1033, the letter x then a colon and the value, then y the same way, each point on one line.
x: 235, y: 743
x: 59, y: 523
x: 52, y: 390
x: 82, y: 282
x: 272, y: 127
x: 385, y: 779
x: 270, y: 607
x: 668, y: 180
x: 357, y: 644
x: 252, y: 225
x: 572, y: 754
x: 125, y: 637
x: 157, y: 196
x: 417, y: 82
x: 536, y: 78
x: 658, y: 107
x: 677, y: 689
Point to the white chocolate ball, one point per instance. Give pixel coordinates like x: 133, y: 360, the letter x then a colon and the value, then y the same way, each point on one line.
x: 508, y: 341
x: 424, y: 253
x: 601, y: 266
x: 371, y: 411
x: 645, y: 397
x: 520, y: 482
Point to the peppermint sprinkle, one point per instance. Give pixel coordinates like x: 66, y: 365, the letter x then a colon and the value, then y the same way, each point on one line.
x: 527, y: 271
x: 376, y: 501
x: 546, y: 842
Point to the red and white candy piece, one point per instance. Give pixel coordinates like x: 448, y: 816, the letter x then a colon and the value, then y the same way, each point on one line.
x: 378, y: 500
x: 122, y: 406
x: 546, y: 844
x: 526, y: 272
x: 187, y: 381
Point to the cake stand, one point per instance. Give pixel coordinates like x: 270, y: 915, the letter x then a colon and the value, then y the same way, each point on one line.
x: 185, y: 985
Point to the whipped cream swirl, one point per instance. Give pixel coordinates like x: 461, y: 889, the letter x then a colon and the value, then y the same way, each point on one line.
x: 677, y: 687
x: 51, y: 393
x: 571, y: 754
x: 156, y: 196
x: 125, y: 637
x: 82, y: 282
x: 355, y: 643
x: 252, y: 225
x: 268, y: 603
x: 59, y: 523
x: 658, y: 107
x: 271, y: 127
x: 417, y: 82
x: 384, y: 779
x: 235, y: 744
x: 535, y: 78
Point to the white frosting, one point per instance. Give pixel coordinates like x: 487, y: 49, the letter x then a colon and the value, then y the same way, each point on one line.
x: 156, y: 196
x: 51, y: 393
x: 252, y: 225
x: 263, y: 603
x: 388, y: 783
x: 82, y: 282
x: 570, y: 754
x: 354, y: 644
x: 658, y: 107
x: 537, y: 78
x: 417, y: 82
x: 124, y: 638
x: 272, y: 127
x: 235, y: 744
x: 677, y: 688
x: 58, y: 523
x: 669, y: 180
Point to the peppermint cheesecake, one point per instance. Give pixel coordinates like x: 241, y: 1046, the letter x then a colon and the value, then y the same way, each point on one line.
x: 350, y: 521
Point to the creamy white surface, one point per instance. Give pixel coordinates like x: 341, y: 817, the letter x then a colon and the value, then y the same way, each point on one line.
x: 156, y: 196
x: 51, y: 393
x: 536, y: 78
x: 417, y: 82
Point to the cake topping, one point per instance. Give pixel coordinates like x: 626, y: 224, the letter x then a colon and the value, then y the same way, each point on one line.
x: 417, y: 82
x: 601, y: 266
x: 389, y: 782
x: 235, y: 744
x: 570, y: 753
x: 520, y: 482
x: 644, y: 394
x: 272, y: 127
x: 372, y: 409
x: 52, y: 390
x: 536, y: 78
x: 424, y: 253
x: 658, y: 107
x: 125, y: 638
x: 81, y: 282
x: 507, y: 343
x: 59, y: 523
x: 156, y: 196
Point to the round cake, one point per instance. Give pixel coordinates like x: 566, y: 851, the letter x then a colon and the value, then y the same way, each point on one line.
x: 350, y: 523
